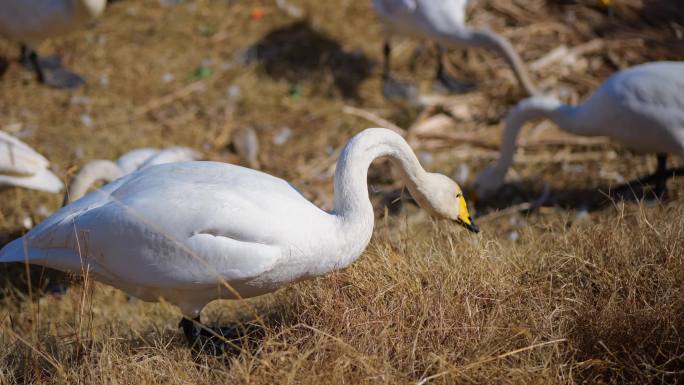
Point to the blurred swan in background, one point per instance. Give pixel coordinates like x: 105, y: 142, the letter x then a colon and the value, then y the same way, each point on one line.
x: 193, y: 232
x: 21, y: 166
x: 441, y: 21
x: 641, y: 107
x: 29, y: 22
x: 108, y: 171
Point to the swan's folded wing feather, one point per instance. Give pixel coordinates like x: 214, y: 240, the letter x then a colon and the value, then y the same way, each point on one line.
x: 17, y: 158
x: 233, y: 259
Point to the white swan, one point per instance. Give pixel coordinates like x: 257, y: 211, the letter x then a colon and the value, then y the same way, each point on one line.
x: 21, y: 166
x: 443, y: 21
x: 195, y: 231
x: 107, y: 171
x: 641, y: 107
x: 29, y: 22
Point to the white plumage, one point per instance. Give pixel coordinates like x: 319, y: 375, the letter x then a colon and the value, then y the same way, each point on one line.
x: 641, y: 107
x: 21, y: 166
x: 32, y: 21
x: 443, y: 21
x: 192, y: 232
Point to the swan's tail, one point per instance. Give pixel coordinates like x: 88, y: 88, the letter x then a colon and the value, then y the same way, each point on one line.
x: 14, y: 252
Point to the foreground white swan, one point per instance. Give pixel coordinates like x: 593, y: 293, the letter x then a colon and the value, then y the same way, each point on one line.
x: 21, y: 166
x: 107, y: 171
x: 195, y: 231
x: 641, y: 107
x: 443, y: 21
x: 29, y: 22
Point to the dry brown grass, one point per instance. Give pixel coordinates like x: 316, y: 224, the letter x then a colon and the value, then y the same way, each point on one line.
x: 555, y: 296
x: 597, y: 301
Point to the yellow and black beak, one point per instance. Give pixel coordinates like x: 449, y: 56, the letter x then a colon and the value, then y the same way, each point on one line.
x: 464, y: 218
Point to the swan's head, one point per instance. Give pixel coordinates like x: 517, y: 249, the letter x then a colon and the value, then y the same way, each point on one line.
x: 487, y: 182
x: 444, y: 199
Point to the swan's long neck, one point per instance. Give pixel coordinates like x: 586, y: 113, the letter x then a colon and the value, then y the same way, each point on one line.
x: 492, y: 40
x: 536, y: 107
x: 353, y: 208
x: 90, y: 173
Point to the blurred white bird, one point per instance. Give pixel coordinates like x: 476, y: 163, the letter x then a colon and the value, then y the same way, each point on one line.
x: 641, y: 107
x: 441, y: 21
x: 107, y: 171
x: 21, y: 166
x: 193, y: 232
x: 29, y: 22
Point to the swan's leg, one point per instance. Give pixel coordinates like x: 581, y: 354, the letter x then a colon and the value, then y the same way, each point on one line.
x: 446, y: 81
x: 216, y: 339
x: 49, y: 70
x: 661, y: 175
x: 392, y: 88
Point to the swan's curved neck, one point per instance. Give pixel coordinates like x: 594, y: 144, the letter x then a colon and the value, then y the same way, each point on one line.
x: 536, y: 107
x: 90, y: 173
x: 489, y: 39
x: 352, y: 205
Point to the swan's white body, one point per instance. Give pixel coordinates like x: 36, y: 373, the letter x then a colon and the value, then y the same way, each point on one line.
x: 443, y: 21
x: 129, y: 162
x: 641, y: 107
x: 423, y: 19
x: 195, y: 231
x: 21, y: 166
x: 32, y: 21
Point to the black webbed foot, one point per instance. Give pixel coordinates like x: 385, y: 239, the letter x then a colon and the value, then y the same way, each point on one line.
x: 219, y: 340
x: 50, y: 70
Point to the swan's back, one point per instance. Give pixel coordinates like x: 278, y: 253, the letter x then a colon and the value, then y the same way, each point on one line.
x: 642, y: 106
x: 247, y: 197
x: 182, y: 199
x: 658, y: 85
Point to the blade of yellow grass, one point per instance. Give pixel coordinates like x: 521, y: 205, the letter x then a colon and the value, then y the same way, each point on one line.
x: 474, y: 364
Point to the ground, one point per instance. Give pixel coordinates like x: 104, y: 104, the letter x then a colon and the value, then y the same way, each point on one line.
x: 585, y: 288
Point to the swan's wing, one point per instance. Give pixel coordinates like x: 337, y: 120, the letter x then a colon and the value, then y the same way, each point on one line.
x: 658, y: 85
x: 175, y: 225
x: 171, y: 155
x: 642, y: 107
x: 133, y: 159
x: 43, y: 180
x: 17, y: 158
